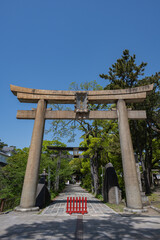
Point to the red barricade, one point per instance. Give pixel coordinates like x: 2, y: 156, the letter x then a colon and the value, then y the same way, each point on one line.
x: 76, y: 205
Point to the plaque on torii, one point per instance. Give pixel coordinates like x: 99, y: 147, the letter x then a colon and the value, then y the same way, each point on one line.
x: 81, y: 99
x: 81, y: 102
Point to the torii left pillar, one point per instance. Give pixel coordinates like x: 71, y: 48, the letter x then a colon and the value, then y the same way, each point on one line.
x: 28, y: 197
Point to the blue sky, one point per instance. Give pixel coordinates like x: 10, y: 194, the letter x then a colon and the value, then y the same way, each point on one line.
x: 47, y: 44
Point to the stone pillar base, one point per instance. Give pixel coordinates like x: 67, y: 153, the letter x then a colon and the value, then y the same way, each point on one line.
x: 133, y: 210
x: 31, y: 209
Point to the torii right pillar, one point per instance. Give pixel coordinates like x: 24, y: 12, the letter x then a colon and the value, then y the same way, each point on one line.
x: 133, y: 195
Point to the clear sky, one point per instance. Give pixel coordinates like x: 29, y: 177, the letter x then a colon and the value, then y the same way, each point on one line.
x: 47, y: 44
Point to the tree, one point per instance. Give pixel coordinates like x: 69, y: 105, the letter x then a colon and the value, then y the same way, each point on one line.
x: 2, y: 144
x: 12, y: 175
x: 125, y: 73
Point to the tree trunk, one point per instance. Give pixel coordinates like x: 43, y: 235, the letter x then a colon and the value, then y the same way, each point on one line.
x: 146, y: 182
x: 148, y: 160
x: 94, y: 167
x: 92, y: 174
x: 150, y: 155
x: 57, y: 174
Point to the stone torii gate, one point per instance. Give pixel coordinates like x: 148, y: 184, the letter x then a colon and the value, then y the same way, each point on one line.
x: 81, y: 100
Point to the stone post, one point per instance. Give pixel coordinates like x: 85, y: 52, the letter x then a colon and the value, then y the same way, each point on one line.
x: 28, y: 197
x: 133, y: 196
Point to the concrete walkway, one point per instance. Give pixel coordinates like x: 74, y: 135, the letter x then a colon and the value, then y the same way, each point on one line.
x: 100, y: 223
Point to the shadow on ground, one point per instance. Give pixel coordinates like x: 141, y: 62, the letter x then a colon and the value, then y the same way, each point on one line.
x: 40, y: 229
x: 117, y: 227
x: 112, y: 227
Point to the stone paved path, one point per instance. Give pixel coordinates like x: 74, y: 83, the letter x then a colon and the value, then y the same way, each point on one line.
x: 94, y: 206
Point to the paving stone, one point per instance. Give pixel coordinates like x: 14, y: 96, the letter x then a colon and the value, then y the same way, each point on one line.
x: 94, y: 207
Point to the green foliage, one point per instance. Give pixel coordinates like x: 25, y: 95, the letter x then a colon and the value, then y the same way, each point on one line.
x: 100, y: 197
x: 117, y: 208
x: 153, y: 197
x: 12, y: 175
x: 156, y: 153
x: 86, y: 86
x: 53, y: 195
x: 2, y: 144
x: 65, y: 171
x: 75, y: 163
x: 49, y: 160
x: 86, y: 174
x: 124, y: 73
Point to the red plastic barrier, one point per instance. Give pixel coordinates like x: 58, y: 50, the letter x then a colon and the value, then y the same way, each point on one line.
x: 78, y: 205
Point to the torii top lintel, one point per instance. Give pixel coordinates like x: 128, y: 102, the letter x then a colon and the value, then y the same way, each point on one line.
x: 29, y: 95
